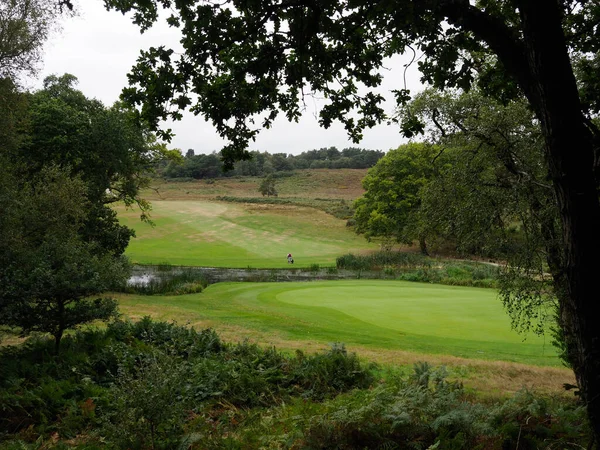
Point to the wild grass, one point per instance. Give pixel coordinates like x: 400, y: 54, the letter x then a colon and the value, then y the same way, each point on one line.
x: 338, y: 208
x: 338, y: 184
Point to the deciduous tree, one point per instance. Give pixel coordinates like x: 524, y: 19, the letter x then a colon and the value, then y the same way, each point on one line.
x: 51, y: 278
x: 267, y: 186
x: 24, y: 27
x: 390, y: 207
x: 490, y: 194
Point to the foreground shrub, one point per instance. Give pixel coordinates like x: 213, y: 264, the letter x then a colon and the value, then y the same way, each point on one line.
x: 427, y: 411
x: 147, y: 407
x: 132, y: 385
x: 159, y: 385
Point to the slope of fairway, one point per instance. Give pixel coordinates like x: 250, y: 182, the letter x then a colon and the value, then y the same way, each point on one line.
x: 424, y: 318
x: 204, y: 233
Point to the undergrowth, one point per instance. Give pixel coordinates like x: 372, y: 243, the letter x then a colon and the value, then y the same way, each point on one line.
x: 156, y: 385
x: 416, y: 267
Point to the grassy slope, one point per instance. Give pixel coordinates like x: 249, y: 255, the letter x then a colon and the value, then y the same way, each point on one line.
x: 431, y: 319
x: 192, y: 229
x: 203, y: 233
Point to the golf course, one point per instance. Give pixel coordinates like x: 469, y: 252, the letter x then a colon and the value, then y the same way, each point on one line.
x: 213, y: 234
x: 398, y: 315
x: 191, y: 227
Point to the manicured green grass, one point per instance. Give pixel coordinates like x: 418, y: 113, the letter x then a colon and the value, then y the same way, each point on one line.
x: 423, y: 318
x: 204, y: 233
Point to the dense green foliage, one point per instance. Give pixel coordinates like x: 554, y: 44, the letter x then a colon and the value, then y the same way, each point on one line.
x: 261, y: 164
x: 48, y: 271
x: 134, y: 385
x: 158, y: 385
x: 390, y: 207
x: 64, y: 159
x: 413, y: 267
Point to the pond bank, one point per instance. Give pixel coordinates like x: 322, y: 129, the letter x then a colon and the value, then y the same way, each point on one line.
x: 143, y: 274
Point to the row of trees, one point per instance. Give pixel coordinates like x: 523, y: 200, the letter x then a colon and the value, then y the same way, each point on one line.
x: 261, y: 164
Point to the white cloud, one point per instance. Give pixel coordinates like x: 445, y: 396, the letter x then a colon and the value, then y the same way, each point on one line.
x: 100, y: 47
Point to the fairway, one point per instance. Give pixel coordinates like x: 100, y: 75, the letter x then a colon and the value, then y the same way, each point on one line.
x: 422, y: 318
x: 213, y: 234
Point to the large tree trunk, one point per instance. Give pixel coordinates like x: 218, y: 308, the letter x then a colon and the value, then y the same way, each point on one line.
x: 570, y: 153
x: 423, y: 246
x: 57, y: 337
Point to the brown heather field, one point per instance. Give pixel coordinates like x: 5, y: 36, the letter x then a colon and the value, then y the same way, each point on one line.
x: 342, y: 184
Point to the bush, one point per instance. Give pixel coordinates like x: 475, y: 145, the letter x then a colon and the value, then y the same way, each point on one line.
x: 324, y: 375
x: 136, y: 384
x: 147, y: 406
x: 376, y: 261
x: 419, y: 268
x: 159, y: 385
x: 427, y: 411
x: 314, y: 268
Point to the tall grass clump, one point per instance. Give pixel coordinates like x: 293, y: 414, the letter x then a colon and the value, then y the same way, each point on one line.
x: 169, y: 281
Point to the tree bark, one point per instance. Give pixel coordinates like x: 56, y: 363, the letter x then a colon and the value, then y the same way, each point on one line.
x: 423, y: 246
x: 539, y: 62
x: 570, y: 153
x: 57, y: 337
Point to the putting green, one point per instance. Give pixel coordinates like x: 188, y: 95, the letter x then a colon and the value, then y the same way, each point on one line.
x: 203, y: 233
x: 424, y: 318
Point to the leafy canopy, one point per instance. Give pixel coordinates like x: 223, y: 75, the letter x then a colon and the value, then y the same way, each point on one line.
x: 490, y: 196
x: 390, y: 207
x: 65, y: 159
x: 49, y: 273
x: 245, y: 61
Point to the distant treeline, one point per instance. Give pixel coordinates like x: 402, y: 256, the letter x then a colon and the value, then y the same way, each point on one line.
x: 210, y: 166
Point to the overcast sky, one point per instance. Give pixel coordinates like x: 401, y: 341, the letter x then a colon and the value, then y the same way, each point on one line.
x: 100, y: 47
